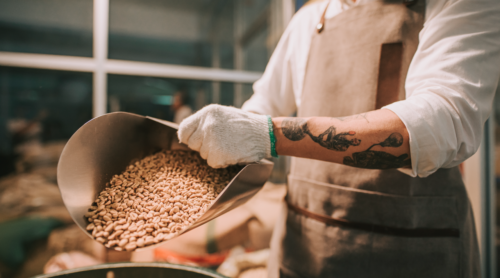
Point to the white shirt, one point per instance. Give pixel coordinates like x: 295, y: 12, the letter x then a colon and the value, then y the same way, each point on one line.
x: 450, y: 84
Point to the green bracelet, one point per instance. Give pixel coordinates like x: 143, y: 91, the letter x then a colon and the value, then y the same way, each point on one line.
x: 272, y: 137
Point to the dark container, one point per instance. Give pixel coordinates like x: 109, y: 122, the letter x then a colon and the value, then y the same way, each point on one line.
x: 133, y: 270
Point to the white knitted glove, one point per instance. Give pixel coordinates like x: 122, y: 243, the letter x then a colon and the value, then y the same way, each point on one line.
x: 226, y: 135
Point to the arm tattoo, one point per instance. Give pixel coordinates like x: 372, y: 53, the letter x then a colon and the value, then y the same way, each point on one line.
x: 333, y: 141
x: 296, y: 129
x: 380, y: 160
x: 293, y: 128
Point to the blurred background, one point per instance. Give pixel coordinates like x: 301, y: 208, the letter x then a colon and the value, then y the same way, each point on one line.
x: 63, y: 62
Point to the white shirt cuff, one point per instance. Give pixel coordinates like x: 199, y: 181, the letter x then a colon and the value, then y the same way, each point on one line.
x: 427, y: 125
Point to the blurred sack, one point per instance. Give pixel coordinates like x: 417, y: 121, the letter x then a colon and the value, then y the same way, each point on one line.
x: 31, y: 195
x: 241, y: 264
x: 69, y: 260
x: 33, y: 191
x: 41, y: 159
x: 72, y: 238
x: 250, y: 226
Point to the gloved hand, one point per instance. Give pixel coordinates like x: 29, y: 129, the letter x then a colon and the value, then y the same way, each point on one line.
x: 226, y: 135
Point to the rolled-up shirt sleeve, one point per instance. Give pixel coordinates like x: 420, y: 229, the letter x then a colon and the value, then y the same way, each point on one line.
x: 451, y: 84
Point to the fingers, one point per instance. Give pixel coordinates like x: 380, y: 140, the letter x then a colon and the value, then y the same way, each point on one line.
x: 204, y: 150
x: 187, y: 127
x: 207, y: 132
x: 215, y: 161
x: 192, y: 123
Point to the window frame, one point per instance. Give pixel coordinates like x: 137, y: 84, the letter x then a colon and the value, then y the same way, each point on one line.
x: 100, y: 65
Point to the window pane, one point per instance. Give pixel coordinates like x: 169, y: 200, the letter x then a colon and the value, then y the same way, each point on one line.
x: 255, y: 18
x: 39, y: 107
x: 255, y: 52
x: 154, y: 97
x: 192, y: 32
x: 61, y: 27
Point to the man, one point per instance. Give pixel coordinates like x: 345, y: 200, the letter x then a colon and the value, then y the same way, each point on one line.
x: 180, y: 107
x: 395, y: 94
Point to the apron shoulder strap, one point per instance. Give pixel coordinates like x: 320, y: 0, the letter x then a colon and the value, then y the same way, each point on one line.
x: 321, y: 24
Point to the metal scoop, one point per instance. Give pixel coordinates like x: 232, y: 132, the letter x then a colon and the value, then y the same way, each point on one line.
x: 104, y: 147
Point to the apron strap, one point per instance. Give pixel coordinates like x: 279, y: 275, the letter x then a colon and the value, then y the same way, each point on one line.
x: 418, y: 232
x: 321, y: 24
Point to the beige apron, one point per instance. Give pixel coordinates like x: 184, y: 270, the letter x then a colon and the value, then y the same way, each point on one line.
x: 341, y: 221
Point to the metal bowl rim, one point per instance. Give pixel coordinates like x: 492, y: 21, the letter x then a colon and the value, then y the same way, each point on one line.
x: 112, y: 266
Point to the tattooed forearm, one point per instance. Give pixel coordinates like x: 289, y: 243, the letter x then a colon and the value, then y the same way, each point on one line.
x: 296, y: 129
x: 374, y: 140
x: 394, y: 140
x: 377, y: 159
x: 293, y: 128
x: 333, y: 141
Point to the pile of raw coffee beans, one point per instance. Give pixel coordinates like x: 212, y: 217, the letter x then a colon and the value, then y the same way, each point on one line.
x: 155, y: 199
